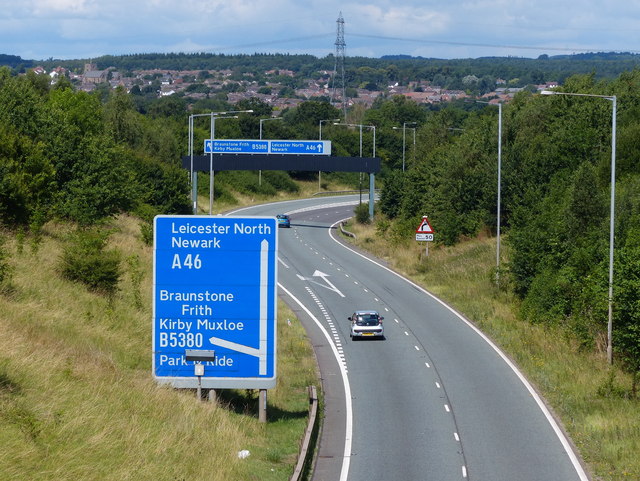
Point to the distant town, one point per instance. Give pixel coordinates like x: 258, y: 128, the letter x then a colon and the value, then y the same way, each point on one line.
x: 199, y: 84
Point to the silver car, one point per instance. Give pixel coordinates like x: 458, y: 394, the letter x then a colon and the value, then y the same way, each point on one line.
x: 366, y: 324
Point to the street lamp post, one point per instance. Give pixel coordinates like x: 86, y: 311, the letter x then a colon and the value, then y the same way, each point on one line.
x: 320, y: 126
x: 320, y: 138
x: 193, y: 176
x: 211, y: 173
x: 499, y: 104
x: 372, y: 177
x: 261, y: 121
x: 614, y: 102
x: 404, y: 139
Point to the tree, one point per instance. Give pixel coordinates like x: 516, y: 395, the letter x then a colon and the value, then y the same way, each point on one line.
x: 121, y: 118
x: 27, y: 182
x: 102, y: 186
x: 391, y: 195
x: 626, y: 334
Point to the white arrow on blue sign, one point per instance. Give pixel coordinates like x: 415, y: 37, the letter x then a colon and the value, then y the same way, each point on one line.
x: 215, y: 286
x: 293, y: 147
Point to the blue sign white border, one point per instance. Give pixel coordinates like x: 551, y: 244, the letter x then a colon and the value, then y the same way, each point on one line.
x: 208, y: 382
x: 266, y: 147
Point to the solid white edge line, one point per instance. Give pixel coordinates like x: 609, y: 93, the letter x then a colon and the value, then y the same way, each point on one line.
x: 554, y: 425
x: 346, y: 458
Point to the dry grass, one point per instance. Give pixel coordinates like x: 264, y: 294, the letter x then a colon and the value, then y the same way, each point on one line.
x: 307, y: 189
x: 77, y: 398
x: 591, y: 400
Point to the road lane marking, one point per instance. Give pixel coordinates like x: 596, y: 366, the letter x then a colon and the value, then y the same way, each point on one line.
x: 566, y: 444
x: 346, y: 456
x: 282, y: 262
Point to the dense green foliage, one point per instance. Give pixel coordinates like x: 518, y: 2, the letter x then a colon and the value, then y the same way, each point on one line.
x: 85, y: 157
x: 555, y: 189
x: 66, y: 154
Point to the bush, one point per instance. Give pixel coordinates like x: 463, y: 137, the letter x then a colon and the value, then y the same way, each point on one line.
x: 362, y: 213
x: 85, y: 260
x: 146, y: 213
x: 280, y: 180
x: 6, y: 270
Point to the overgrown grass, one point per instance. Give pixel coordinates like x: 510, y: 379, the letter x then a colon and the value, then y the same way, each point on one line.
x: 77, y: 397
x: 306, y: 189
x: 592, y: 400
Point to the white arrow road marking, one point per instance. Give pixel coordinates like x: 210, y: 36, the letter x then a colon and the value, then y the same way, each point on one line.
x: 324, y: 276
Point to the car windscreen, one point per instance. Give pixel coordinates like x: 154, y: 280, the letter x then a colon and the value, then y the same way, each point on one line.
x: 367, y: 320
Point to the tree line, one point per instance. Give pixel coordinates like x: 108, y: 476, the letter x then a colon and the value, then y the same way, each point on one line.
x: 83, y: 157
x: 366, y: 72
x: 555, y: 190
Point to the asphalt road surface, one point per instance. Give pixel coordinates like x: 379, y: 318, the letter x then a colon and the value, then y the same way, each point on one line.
x: 435, y: 400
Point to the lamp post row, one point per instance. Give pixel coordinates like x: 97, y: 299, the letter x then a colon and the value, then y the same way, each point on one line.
x: 611, y: 98
x: 193, y: 175
x: 614, y: 102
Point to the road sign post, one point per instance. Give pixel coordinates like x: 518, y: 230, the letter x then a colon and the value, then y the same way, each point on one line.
x: 214, y: 284
x: 424, y: 232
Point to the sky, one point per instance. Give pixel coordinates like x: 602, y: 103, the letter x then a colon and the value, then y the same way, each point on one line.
x: 79, y: 29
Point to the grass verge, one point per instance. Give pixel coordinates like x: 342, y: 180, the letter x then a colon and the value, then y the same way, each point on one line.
x: 591, y: 399
x: 77, y: 397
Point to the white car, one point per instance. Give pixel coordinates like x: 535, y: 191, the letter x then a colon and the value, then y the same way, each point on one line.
x: 366, y: 324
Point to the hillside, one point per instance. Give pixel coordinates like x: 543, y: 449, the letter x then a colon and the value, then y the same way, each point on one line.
x: 77, y: 397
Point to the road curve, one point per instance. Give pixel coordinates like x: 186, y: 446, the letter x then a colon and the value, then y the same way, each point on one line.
x: 435, y: 400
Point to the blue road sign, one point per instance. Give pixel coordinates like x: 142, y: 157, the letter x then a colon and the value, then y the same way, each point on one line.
x: 215, y: 286
x: 307, y: 147
x: 294, y: 147
x: 216, y: 146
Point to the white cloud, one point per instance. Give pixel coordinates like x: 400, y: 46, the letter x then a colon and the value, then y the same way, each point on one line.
x: 44, y: 7
x: 69, y: 28
x: 403, y: 21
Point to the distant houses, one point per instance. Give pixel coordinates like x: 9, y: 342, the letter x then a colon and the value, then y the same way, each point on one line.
x: 200, y: 84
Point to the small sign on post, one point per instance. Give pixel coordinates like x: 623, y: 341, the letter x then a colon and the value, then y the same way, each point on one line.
x: 424, y: 232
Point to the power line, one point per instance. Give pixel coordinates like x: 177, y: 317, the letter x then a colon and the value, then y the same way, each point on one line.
x: 470, y: 44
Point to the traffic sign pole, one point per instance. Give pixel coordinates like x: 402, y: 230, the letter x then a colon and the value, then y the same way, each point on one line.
x: 424, y: 232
